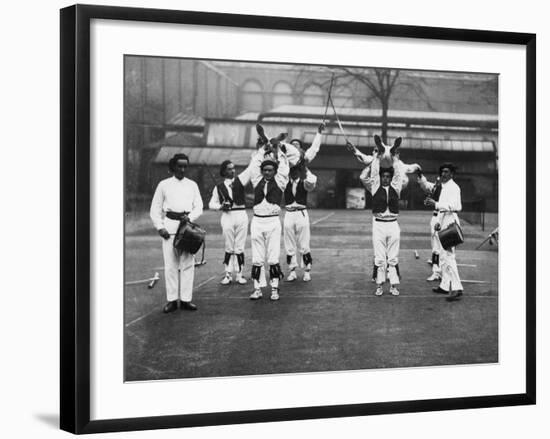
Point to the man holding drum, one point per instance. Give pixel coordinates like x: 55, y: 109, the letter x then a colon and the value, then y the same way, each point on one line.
x: 447, y: 206
x: 177, y: 199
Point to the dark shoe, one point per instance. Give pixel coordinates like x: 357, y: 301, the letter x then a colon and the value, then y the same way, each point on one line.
x: 454, y: 296
x: 439, y: 290
x: 170, y: 307
x: 188, y: 306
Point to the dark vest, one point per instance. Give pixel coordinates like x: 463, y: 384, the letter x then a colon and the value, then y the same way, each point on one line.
x: 379, y: 202
x: 301, y: 193
x: 274, y: 193
x: 436, y: 191
x: 238, y: 192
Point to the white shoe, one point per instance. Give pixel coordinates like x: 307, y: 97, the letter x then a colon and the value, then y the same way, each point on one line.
x: 274, y: 294
x: 241, y: 280
x: 434, y: 277
x: 307, y: 276
x: 257, y: 294
x: 292, y: 276
x: 379, y: 291
x: 394, y: 291
x: 226, y: 280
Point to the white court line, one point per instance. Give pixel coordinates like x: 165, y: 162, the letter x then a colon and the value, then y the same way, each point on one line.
x: 323, y: 218
x: 466, y: 265
x: 475, y: 281
x: 155, y: 308
x: 360, y: 296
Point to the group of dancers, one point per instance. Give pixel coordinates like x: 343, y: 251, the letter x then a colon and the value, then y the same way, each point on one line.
x: 281, y: 179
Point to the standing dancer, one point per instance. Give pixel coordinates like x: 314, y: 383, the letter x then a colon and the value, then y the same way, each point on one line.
x: 296, y: 223
x: 385, y: 185
x: 228, y: 196
x: 269, y: 176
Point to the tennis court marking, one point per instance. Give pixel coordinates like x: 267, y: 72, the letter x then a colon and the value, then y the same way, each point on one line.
x: 317, y: 221
x: 348, y: 296
x: 156, y: 307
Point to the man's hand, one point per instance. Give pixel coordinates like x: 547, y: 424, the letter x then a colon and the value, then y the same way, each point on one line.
x: 430, y: 202
x: 164, y: 234
x: 418, y: 171
x: 321, y: 128
x: 351, y: 147
x: 437, y: 227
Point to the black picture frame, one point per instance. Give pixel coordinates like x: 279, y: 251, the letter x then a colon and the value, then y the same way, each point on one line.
x: 75, y: 217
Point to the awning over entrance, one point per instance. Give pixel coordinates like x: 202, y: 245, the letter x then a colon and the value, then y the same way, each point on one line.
x: 206, y: 156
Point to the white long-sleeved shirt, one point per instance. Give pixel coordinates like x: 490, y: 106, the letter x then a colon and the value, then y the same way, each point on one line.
x: 173, y: 195
x: 313, y: 150
x: 309, y: 184
x: 281, y: 179
x: 215, y: 202
x: 449, y: 202
x: 370, y: 177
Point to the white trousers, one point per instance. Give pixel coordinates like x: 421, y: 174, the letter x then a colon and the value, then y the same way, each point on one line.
x: 296, y: 235
x: 234, y: 229
x: 436, y: 245
x: 450, y: 279
x: 265, y: 234
x: 179, y: 272
x: 385, y: 240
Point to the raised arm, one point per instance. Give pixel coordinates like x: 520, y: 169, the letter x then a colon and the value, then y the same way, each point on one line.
x: 370, y: 177
x: 425, y: 185
x: 253, y: 172
x: 155, y: 212
x: 398, y: 175
x: 281, y: 177
x: 313, y: 150
x: 361, y: 157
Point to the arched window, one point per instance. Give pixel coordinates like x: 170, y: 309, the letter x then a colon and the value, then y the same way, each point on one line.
x: 342, y: 97
x: 252, y: 97
x: 313, y: 95
x: 282, y: 94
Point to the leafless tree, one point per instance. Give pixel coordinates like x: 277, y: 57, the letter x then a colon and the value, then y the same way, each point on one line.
x: 380, y: 83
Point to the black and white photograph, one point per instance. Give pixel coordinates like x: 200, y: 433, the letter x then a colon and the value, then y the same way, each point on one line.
x: 298, y: 218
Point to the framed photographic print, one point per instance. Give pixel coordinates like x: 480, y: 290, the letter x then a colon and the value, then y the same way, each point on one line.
x: 277, y: 218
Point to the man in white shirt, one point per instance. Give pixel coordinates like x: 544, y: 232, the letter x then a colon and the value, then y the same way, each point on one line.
x: 269, y: 175
x: 296, y: 223
x: 229, y: 197
x: 385, y: 185
x: 310, y: 153
x: 176, y: 199
x: 448, y: 204
x: 296, y: 226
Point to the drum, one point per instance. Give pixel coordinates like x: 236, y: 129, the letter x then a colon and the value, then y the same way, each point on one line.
x: 189, y: 238
x: 451, y: 236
